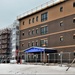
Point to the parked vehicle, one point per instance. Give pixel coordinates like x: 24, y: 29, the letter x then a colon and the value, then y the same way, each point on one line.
x: 13, y: 61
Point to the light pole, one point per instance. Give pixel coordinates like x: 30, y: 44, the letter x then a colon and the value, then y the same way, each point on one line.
x: 48, y: 57
x: 60, y: 54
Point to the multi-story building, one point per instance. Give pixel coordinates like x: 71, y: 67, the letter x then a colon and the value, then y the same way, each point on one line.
x: 9, y: 42
x: 5, y: 48
x: 14, y: 39
x: 52, y: 26
x: 0, y: 47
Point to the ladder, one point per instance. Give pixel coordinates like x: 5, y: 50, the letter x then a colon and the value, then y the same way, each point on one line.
x: 70, y: 64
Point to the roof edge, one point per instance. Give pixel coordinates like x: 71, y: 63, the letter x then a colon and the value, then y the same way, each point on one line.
x: 35, y: 10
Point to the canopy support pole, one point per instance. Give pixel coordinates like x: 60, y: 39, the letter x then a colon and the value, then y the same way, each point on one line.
x: 25, y: 57
x: 41, y: 57
x: 44, y: 56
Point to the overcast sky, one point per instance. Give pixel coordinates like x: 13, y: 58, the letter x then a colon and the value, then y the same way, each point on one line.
x: 10, y: 9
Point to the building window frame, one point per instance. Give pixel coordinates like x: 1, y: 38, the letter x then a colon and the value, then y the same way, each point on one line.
x: 61, y: 23
x: 36, y: 43
x: 73, y: 20
x: 37, y: 19
x: 33, y: 20
x: 29, y: 21
x: 29, y: 44
x: 32, y: 43
x: 44, y: 16
x: 37, y: 31
x: 23, y: 22
x: 61, y: 9
x: 23, y: 33
x: 22, y: 44
x: 61, y: 38
x: 29, y: 32
x: 33, y: 32
x: 44, y: 30
x: 73, y: 4
x: 73, y: 36
x: 44, y: 42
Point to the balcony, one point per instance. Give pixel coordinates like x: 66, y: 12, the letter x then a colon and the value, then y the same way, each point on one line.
x: 4, y: 41
x: 4, y: 46
x: 4, y: 36
x: 6, y: 31
x: 4, y: 51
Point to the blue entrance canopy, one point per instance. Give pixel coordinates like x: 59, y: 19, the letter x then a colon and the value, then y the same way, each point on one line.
x: 39, y: 49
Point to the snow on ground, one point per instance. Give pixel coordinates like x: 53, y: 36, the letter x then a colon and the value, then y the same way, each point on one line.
x: 35, y: 69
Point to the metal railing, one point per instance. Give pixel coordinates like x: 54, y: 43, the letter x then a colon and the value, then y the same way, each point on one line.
x: 43, y: 6
x: 60, y: 58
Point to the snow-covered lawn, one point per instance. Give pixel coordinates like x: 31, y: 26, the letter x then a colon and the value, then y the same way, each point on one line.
x: 35, y: 69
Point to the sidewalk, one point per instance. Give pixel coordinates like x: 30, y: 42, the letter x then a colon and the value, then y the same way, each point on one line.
x: 35, y: 69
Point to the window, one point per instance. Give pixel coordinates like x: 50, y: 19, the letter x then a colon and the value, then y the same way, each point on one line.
x: 44, y: 30
x: 74, y: 20
x: 36, y: 31
x: 32, y: 32
x: 61, y: 9
x: 29, y: 44
x: 74, y: 53
x: 33, y: 43
x: 61, y: 38
x: 29, y: 21
x: 44, y: 16
x: 33, y: 20
x: 61, y: 23
x: 44, y: 43
x: 36, y: 43
x: 23, y: 22
x: 73, y: 36
x: 37, y: 18
x: 22, y: 44
x: 23, y: 33
x: 74, y: 4
x: 29, y: 33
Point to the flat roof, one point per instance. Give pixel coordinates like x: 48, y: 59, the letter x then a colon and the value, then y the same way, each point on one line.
x: 40, y: 8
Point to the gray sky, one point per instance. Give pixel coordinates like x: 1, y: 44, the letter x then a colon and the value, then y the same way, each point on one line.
x: 10, y: 9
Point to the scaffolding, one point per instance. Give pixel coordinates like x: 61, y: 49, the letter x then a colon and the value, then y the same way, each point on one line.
x: 5, y: 44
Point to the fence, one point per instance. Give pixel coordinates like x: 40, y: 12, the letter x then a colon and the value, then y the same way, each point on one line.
x: 50, y: 3
x: 65, y: 57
